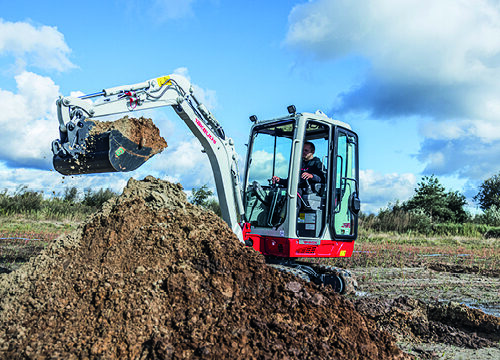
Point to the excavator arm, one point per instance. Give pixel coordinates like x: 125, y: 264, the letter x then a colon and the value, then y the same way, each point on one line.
x: 83, y: 148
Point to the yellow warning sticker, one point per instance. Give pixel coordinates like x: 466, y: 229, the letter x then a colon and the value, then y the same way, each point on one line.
x: 342, y: 253
x: 162, y: 80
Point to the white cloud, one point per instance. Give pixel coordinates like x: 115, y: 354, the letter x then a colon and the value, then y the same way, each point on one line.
x: 186, y: 161
x: 377, y: 190
x: 205, y: 96
x: 43, y: 47
x: 451, y: 36
x: 439, y: 60
x: 444, y: 130
x: 28, y: 121
x: 261, y: 169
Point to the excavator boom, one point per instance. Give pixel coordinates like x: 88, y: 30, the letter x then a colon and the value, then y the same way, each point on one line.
x: 86, y: 146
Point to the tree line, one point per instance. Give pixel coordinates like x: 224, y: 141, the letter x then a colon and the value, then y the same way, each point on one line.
x: 68, y: 204
x: 431, y: 209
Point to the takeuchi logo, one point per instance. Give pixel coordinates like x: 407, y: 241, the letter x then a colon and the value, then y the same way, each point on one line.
x: 205, y: 131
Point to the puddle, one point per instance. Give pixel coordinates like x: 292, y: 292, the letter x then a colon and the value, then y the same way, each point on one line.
x: 493, y: 309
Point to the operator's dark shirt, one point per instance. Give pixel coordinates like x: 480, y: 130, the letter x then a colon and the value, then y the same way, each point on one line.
x: 313, y: 167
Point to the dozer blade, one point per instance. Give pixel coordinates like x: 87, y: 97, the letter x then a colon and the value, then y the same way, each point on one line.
x: 83, y: 150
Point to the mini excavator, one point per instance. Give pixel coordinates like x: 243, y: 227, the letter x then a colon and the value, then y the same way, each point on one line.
x: 285, y: 222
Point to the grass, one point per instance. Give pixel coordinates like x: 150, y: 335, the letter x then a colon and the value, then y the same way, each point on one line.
x: 24, y: 223
x: 23, y: 236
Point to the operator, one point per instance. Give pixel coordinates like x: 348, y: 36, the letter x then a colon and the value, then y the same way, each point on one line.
x: 311, y: 169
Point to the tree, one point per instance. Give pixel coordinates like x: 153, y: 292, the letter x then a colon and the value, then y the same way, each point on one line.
x: 456, y: 202
x: 202, y: 197
x: 432, y: 199
x: 70, y: 194
x: 489, y: 193
x: 97, y: 198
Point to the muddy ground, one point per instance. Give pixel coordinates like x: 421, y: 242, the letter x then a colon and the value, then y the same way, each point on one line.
x: 151, y: 276
x: 450, y: 309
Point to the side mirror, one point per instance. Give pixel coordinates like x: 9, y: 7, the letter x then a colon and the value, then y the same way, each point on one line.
x: 354, y: 203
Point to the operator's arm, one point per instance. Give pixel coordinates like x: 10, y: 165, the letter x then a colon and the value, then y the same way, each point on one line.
x: 314, y: 171
x: 278, y: 180
x: 309, y: 176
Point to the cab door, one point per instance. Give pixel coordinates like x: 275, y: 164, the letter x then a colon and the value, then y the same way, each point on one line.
x: 345, y: 200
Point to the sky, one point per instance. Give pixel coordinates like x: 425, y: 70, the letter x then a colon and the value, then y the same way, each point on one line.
x: 416, y: 79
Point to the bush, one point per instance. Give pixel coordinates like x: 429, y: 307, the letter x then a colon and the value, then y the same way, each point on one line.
x: 493, y: 233
x: 203, y: 197
x: 466, y: 229
x: 70, y: 194
x: 490, y: 216
x: 27, y: 200
x: 22, y: 201
x: 395, y: 219
x: 57, y: 208
x: 95, y: 199
x: 32, y: 203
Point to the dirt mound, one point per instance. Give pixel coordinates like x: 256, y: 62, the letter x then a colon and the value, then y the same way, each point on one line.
x: 141, y: 131
x: 154, y: 277
x: 449, y: 323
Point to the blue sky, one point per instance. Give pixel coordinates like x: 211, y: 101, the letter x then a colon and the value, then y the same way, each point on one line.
x: 417, y: 80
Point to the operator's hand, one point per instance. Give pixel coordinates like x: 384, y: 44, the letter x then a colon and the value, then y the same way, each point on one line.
x: 276, y: 179
x: 306, y: 176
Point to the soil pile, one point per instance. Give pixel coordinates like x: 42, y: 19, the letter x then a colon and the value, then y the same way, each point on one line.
x: 141, y: 131
x: 153, y: 277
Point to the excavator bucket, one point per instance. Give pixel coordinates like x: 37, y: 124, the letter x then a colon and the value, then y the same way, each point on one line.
x: 90, y: 146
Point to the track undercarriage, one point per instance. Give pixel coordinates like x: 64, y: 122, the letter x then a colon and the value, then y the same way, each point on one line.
x: 342, y: 281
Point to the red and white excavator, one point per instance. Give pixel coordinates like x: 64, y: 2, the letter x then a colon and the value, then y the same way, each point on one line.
x: 285, y: 220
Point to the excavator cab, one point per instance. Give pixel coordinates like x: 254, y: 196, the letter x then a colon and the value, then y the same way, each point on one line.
x: 298, y: 217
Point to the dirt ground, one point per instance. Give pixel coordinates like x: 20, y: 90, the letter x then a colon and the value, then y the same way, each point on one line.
x: 154, y: 277
x: 446, y: 312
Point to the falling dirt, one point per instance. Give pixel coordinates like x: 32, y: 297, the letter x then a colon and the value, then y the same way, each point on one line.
x: 141, y: 131
x: 151, y: 276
